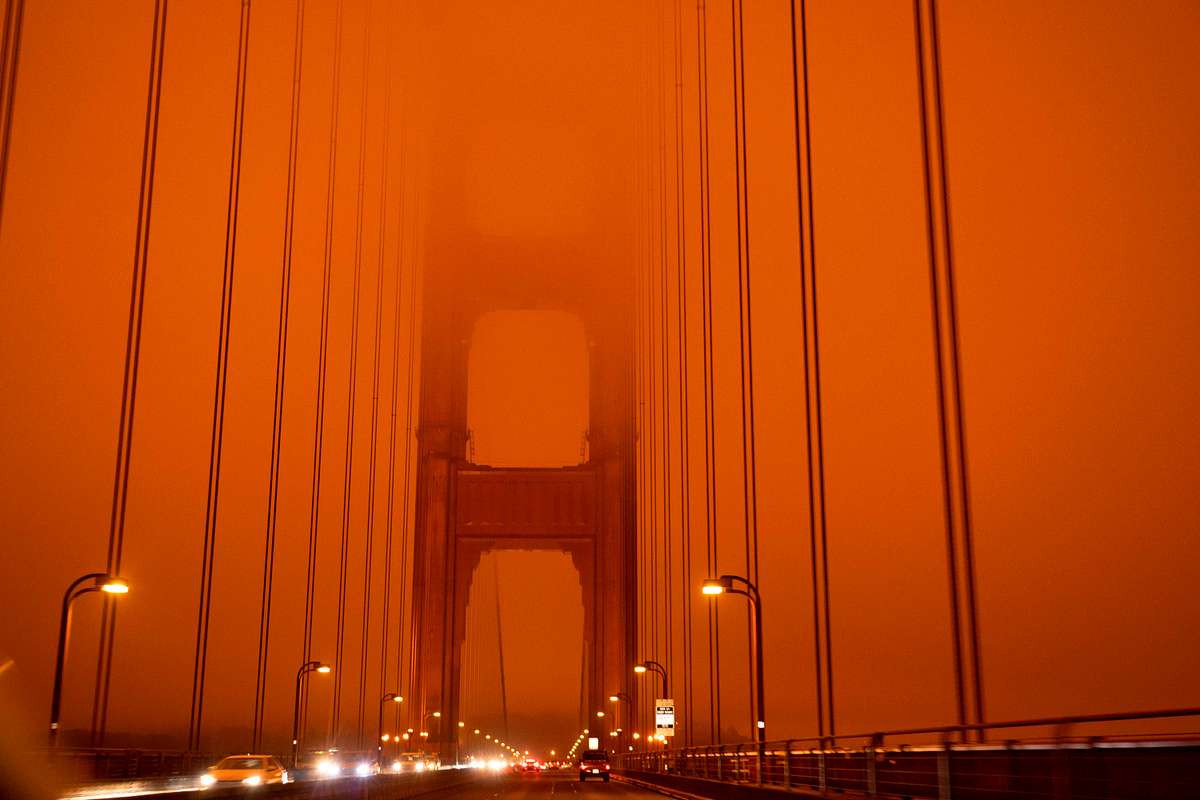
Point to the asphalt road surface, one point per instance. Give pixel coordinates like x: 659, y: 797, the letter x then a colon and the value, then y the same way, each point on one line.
x: 563, y: 785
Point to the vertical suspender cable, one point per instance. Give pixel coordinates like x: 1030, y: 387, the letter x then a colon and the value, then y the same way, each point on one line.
x: 322, y: 364
x: 640, y: 392
x: 133, y: 350
x: 664, y: 304
x: 371, y: 471
x: 684, y: 436
x: 398, y: 315
x: 413, y: 606
x: 814, y: 432
x: 217, y: 436
x: 351, y: 389
x: 281, y: 341
x: 10, y: 60
x: 406, y: 481
x: 710, y: 432
x: 390, y: 503
x: 650, y: 383
x: 500, y: 648
x: 947, y: 355
x: 745, y: 322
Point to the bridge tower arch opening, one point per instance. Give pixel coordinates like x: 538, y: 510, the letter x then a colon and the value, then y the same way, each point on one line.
x: 523, y: 601
x: 527, y: 389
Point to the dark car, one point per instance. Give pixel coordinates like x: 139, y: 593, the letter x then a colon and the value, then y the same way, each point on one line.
x: 593, y: 764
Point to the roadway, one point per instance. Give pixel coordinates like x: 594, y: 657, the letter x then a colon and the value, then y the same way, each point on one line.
x: 468, y: 785
x: 554, y: 785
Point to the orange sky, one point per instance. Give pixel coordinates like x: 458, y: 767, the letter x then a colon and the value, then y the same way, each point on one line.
x: 1074, y: 193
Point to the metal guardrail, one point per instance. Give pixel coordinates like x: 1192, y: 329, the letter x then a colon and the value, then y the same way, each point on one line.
x: 931, y: 764
x: 122, y: 764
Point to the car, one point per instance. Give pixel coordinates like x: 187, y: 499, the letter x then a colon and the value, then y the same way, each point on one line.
x: 593, y: 764
x: 416, y: 761
x: 531, y: 765
x: 249, y: 769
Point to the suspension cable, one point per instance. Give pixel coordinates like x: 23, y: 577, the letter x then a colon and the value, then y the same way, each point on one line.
x: 351, y: 391
x: 390, y: 504
x: 322, y: 364
x: 814, y: 429
x: 413, y: 605
x: 745, y: 322
x: 10, y: 60
x: 682, y: 346
x: 281, y: 342
x: 952, y: 438
x: 371, y: 467
x: 133, y: 351
x: 664, y: 344
x: 217, y: 436
x: 710, y: 433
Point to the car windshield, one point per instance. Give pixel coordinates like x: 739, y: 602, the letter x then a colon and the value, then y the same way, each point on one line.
x: 595, y: 755
x: 240, y: 762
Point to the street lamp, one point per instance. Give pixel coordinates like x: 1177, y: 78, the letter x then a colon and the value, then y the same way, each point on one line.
x: 390, y: 697
x: 735, y: 584
x: 92, y: 582
x: 652, y: 666
x: 311, y: 666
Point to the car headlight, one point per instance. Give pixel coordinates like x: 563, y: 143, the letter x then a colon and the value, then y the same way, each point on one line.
x: 328, y: 768
x: 362, y: 770
x: 253, y: 780
x: 419, y: 766
x: 207, y: 780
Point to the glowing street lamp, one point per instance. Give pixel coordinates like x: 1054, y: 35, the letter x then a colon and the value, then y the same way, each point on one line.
x: 735, y: 584
x: 311, y: 666
x: 390, y: 697
x: 92, y: 582
x: 653, y: 666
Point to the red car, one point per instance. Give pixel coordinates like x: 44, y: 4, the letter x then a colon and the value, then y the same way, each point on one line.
x: 593, y: 764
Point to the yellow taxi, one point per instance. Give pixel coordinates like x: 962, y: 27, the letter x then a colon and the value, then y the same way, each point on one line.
x: 244, y: 770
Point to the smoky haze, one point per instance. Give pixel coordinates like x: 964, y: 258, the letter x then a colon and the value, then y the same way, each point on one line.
x: 533, y: 144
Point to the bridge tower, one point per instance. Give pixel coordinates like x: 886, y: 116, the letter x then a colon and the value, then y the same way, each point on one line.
x: 464, y: 510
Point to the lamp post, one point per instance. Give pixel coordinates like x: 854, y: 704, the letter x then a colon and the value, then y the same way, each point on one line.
x: 91, y: 582
x: 653, y: 666
x: 616, y: 699
x: 735, y: 584
x: 391, y: 697
x: 311, y: 666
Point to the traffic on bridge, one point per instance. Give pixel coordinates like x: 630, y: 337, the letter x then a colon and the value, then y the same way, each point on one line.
x: 514, y: 399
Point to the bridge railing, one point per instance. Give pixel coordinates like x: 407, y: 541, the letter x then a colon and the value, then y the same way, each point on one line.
x: 123, y: 764
x: 1032, y: 760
